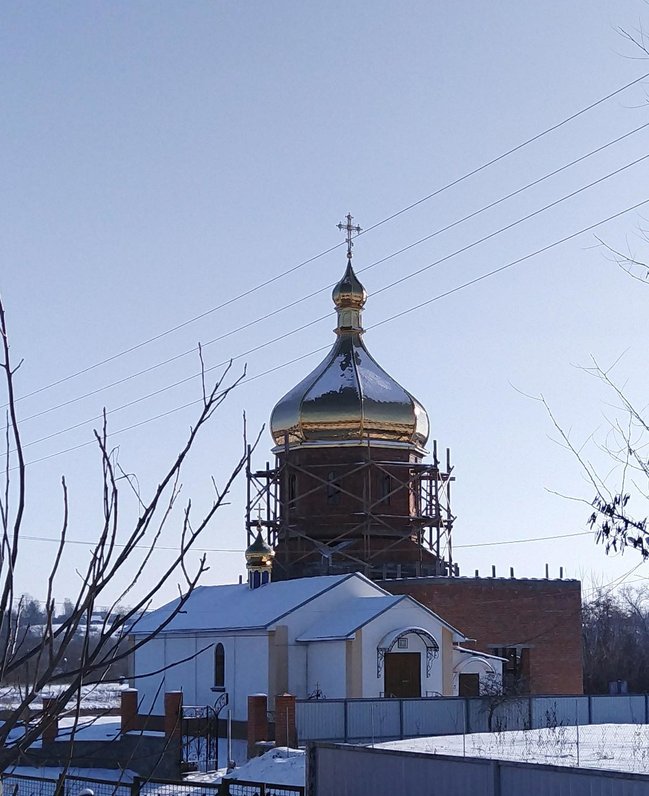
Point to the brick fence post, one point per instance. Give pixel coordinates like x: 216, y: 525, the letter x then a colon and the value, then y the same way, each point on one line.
x: 257, y: 721
x: 50, y: 720
x: 173, y: 715
x: 128, y: 710
x: 285, y: 730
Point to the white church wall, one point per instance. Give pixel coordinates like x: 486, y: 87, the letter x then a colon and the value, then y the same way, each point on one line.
x: 149, y: 658
x: 297, y: 668
x: 301, y: 619
x: 246, y: 670
x: 326, y: 668
x: 404, y: 614
x: 180, y: 676
x: 249, y: 669
x: 159, y: 655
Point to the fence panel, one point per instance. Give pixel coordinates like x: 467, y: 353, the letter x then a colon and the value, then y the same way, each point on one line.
x: 320, y: 720
x: 618, y: 709
x: 559, y: 711
x: 100, y: 787
x: 22, y: 785
x: 384, y: 772
x: 165, y: 787
x: 433, y: 716
x: 371, y: 719
x: 237, y: 787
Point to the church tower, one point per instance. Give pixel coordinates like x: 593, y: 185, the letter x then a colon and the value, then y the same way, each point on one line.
x: 350, y: 490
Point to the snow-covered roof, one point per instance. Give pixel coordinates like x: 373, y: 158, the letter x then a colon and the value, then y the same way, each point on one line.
x: 348, y: 618
x: 478, y: 653
x: 238, y: 607
x: 359, y: 611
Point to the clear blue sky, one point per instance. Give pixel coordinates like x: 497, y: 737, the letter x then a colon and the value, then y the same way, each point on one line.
x: 159, y: 159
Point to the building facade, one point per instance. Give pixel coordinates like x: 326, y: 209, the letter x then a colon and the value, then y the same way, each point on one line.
x: 353, y: 490
x: 332, y: 636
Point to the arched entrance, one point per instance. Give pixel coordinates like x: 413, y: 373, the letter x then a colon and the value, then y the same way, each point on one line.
x: 400, y: 665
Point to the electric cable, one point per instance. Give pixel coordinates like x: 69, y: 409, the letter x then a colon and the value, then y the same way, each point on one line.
x: 276, y: 311
x: 374, y: 226
x: 400, y: 314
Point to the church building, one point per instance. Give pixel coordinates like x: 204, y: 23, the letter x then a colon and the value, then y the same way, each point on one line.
x: 353, y: 489
x: 324, y: 637
x: 352, y: 589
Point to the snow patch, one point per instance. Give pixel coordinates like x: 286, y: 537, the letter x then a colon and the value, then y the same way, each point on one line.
x: 279, y: 766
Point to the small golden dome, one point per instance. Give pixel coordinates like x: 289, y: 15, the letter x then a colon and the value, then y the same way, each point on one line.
x: 349, y: 292
x: 349, y: 397
x: 259, y: 553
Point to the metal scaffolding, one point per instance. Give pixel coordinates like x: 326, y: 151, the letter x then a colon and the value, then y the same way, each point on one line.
x: 364, y: 536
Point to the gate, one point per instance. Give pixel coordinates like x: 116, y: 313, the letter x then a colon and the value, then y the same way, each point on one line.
x: 200, y: 735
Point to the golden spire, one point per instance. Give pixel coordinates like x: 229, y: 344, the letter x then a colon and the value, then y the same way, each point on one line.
x: 349, y: 295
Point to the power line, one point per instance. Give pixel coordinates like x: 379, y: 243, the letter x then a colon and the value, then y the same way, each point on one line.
x: 400, y: 314
x: 309, y: 260
x: 242, y: 550
x: 325, y: 316
x: 522, y: 541
x: 322, y: 317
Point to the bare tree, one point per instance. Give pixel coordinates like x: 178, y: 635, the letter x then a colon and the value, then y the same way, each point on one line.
x: 616, y: 640
x: 115, y: 551
x: 618, y: 510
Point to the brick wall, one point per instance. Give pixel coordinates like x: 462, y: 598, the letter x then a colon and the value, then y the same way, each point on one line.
x: 541, y: 616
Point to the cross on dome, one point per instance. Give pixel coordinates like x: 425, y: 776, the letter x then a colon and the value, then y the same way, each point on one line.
x: 349, y: 228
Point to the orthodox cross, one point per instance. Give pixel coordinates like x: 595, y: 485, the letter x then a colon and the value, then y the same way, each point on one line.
x: 349, y: 228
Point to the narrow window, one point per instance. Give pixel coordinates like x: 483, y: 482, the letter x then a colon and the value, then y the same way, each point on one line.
x: 333, y: 489
x: 292, y: 488
x: 219, y: 667
x: 515, y: 668
x: 385, y: 488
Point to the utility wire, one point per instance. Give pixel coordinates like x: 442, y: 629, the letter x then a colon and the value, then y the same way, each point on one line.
x: 400, y: 314
x: 399, y: 281
x: 242, y: 550
x: 518, y: 541
x: 294, y: 303
x: 385, y: 220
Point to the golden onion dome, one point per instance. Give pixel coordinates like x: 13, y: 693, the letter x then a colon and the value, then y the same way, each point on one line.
x: 349, y: 397
x: 259, y: 553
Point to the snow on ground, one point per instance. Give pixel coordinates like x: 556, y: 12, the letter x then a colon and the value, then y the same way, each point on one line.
x: 279, y: 766
x: 617, y: 747
x: 99, y: 696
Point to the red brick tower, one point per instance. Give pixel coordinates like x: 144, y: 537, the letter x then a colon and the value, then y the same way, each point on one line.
x: 350, y: 490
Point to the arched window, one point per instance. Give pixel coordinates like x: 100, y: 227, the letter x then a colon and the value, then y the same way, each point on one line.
x: 219, y: 667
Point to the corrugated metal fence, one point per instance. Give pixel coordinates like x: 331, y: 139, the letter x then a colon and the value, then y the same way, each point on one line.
x: 358, y: 720
x: 350, y: 770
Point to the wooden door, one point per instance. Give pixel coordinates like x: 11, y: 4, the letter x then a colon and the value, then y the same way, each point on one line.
x: 402, y: 674
x: 469, y: 685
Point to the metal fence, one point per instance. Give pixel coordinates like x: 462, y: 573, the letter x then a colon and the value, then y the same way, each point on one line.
x: 359, y: 720
x: 69, y: 785
x: 336, y: 769
x: 237, y: 787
